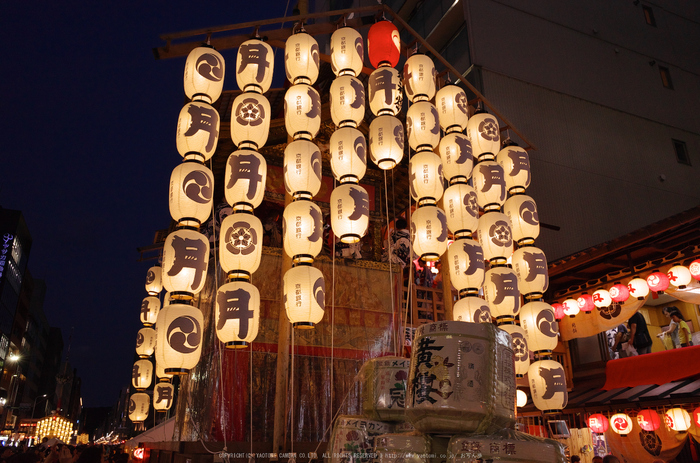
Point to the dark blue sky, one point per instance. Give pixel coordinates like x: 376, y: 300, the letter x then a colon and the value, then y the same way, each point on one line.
x: 88, y: 121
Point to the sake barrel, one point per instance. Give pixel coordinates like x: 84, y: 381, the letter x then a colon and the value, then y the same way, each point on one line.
x: 402, y: 448
x: 384, y: 388
x: 506, y: 446
x: 462, y: 379
x: 353, y: 438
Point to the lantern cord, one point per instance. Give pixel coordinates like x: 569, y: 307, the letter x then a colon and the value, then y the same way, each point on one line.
x: 209, y: 43
x: 291, y: 401
x: 391, y: 254
x: 332, y: 318
x: 250, y: 374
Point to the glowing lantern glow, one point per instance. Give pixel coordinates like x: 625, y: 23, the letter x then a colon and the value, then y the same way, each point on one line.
x: 302, y: 111
x: 191, y: 193
x: 598, y: 423
x: 237, y: 314
x: 585, y: 303
x: 471, y: 309
x: 530, y: 265
x: 419, y: 78
x: 185, y: 262
x: 304, y: 296
x: 548, y: 386
x: 461, y: 209
x: 301, y: 58
x: 516, y: 165
x: 571, y: 307
x: 163, y: 395
x: 302, y: 230
x: 383, y: 44
x: 425, y: 168
x: 429, y: 233
x: 145, y: 342
x: 302, y: 169
x: 204, y: 74
x: 385, y: 93
x: 621, y: 424
x: 658, y: 282
x: 484, y: 134
x: 386, y: 141
x: 348, y: 150
x: 619, y: 292
x: 677, y: 419
x: 179, y: 329
x: 422, y: 126
x: 347, y: 52
x: 465, y: 260
x: 696, y: 416
x: 347, y: 101
x: 558, y: 311
x: 638, y: 288
x: 521, y: 352
x: 139, y: 453
x: 495, y: 237
x: 150, y: 307
x: 648, y: 420
x: 694, y: 268
x: 451, y: 103
x: 349, y: 212
x: 501, y: 292
x: 250, y: 120
x: 142, y: 375
x: 245, y: 176
x: 254, y: 66
x: 520, y: 398
x: 601, y: 298
x: 139, y: 405
x: 490, y: 185
x: 241, y: 242
x: 540, y: 326
x: 679, y: 276
x: 154, y: 284
x: 456, y: 154
x: 522, y: 212
x: 197, y: 131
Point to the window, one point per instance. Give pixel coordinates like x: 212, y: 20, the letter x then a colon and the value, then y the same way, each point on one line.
x: 649, y: 15
x: 681, y: 152
x: 665, y: 77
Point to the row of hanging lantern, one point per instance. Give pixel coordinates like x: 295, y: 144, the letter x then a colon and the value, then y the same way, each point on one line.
x: 677, y: 419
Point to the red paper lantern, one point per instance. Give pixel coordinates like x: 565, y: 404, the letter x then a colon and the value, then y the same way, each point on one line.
x: 585, y: 303
x: 648, y: 420
x: 694, y: 268
x: 658, y: 282
x: 696, y: 416
x: 383, y: 44
x: 598, y: 423
x: 558, y: 311
x: 619, y: 292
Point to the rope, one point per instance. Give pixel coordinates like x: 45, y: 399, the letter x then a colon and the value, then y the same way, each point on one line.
x: 391, y: 270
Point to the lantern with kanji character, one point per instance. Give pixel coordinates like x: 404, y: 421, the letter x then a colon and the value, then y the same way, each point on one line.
x: 250, y: 120
x: 244, y: 179
x: 385, y: 92
x: 456, y: 153
x: 471, y: 309
x: 237, y: 314
x: 254, y: 66
x: 694, y: 269
x: 541, y: 328
x: 585, y: 303
x: 558, y: 311
x: 204, y: 74
x: 677, y: 419
x: 302, y: 111
x: 619, y: 292
x: 185, y: 262
x: 304, y: 296
x: 145, y: 342
x: 386, y: 141
x: 419, y: 78
x: 548, y: 386
x: 451, y: 104
x: 347, y: 101
x: 530, y: 264
x: 154, y: 284
x: 349, y: 210
x: 495, y: 237
x: 347, y: 52
x: 601, y: 298
x: 302, y: 169
x: 348, y: 149
x: 149, y: 310
x: 638, y: 288
x: 241, y: 242
x: 163, y: 396
x: 465, y: 260
x: 142, y: 375
x: 461, y: 209
x: 501, y: 292
x: 302, y: 230
x: 679, y: 276
x: 522, y: 212
x: 516, y: 167
x: 191, y: 193
x: 179, y: 337
x: 648, y: 420
x: 658, y: 282
x: 490, y: 185
x: 598, y: 423
x: 521, y: 352
x: 429, y: 232
x: 422, y: 126
x: 484, y: 134
x: 426, y: 180
x: 197, y: 131
x: 383, y: 44
x: 139, y: 404
x: 696, y: 416
x: 571, y: 308
x: 301, y: 58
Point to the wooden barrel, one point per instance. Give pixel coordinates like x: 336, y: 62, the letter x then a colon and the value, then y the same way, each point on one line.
x: 462, y: 379
x: 402, y: 448
x: 506, y: 446
x: 384, y: 382
x: 352, y: 439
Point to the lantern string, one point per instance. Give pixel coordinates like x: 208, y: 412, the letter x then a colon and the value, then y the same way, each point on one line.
x: 409, y: 286
x: 391, y: 264
x: 332, y: 318
x: 291, y: 407
x: 250, y: 375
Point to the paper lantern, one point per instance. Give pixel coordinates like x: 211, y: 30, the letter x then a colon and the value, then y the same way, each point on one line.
x: 679, y: 276
x: 558, y: 311
x: 347, y: 101
x: 694, y: 269
x: 245, y: 177
x: 179, y: 329
x: 185, y: 262
x: 648, y: 420
x: 426, y: 180
x: 571, y: 308
x: 241, y: 243
x: 638, y: 288
x: 501, y: 292
x: 522, y: 212
x: 197, y: 131
x: 696, y: 416
x: 163, y: 396
x: 465, y: 260
x: 619, y: 292
x: 548, y: 386
x: 302, y: 111
x: 456, y: 154
x: 585, y: 303
x: 301, y: 58
x: 383, y: 44
x: 495, y: 237
x: 429, y: 233
x: 142, y: 375
x: 516, y: 166
x: 598, y: 423
x: 191, y: 193
x: 254, y: 66
x: 422, y: 126
x: 302, y: 230
x: 541, y: 328
x: 154, y: 284
x: 145, y: 342
x: 139, y: 405
x: 237, y: 314
x: 160, y: 371
x: 302, y: 169
x: 461, y: 209
x: 386, y: 141
x: 520, y: 398
x: 250, y: 120
x: 452, y: 106
x: 658, y: 282
x: 304, y: 296
x: 521, y: 352
x: 621, y: 424
x: 490, y: 185
x: 385, y: 92
x: 471, y: 309
x: 677, y: 419
x: 348, y: 150
x: 530, y: 265
x: 349, y: 210
x: 150, y: 307
x: 204, y: 74
x: 419, y: 78
x: 347, y: 52
x: 484, y: 134
x: 601, y: 298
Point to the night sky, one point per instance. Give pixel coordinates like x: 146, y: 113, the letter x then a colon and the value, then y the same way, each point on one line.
x: 88, y: 121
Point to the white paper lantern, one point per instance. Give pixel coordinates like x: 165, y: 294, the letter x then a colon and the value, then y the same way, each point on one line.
x: 571, y: 308
x: 429, y: 233
x: 142, y: 375
x: 179, y: 329
x: 422, y: 126
x: 679, y: 276
x: 302, y: 169
x: 678, y: 419
x: 489, y: 185
x: 465, y: 260
x: 241, y: 243
x: 461, y: 209
x: 521, y: 353
x: 185, y: 262
x: 204, y: 74
x: 485, y: 135
x: 522, y: 212
x: 601, y: 298
x: 150, y: 306
x: 347, y: 101
x: 237, y: 314
x: 302, y: 230
x: 349, y: 210
x: 426, y: 181
x: 456, y: 154
x: 541, y: 328
x: 197, y: 131
x: 250, y: 120
x: 301, y: 58
x: 304, y: 296
x: 347, y: 52
x: 419, y: 78
x: 621, y: 423
x: 516, y: 165
x: 530, y: 264
x: 495, y: 237
x: 254, y: 66
x: 548, y: 386
x: 245, y: 177
x: 638, y: 288
x: 452, y: 106
x: 501, y: 292
x: 139, y: 404
x: 520, y: 398
x: 302, y: 111
x: 348, y: 149
x: 145, y: 342
x: 191, y: 193
x: 163, y: 395
x: 386, y: 141
x: 154, y: 284
x: 160, y: 371
x: 471, y: 309
x: 385, y: 92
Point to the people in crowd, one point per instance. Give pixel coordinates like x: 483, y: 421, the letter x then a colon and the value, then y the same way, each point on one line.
x: 639, y: 334
x: 684, y: 334
x: 672, y: 329
x: 611, y: 459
